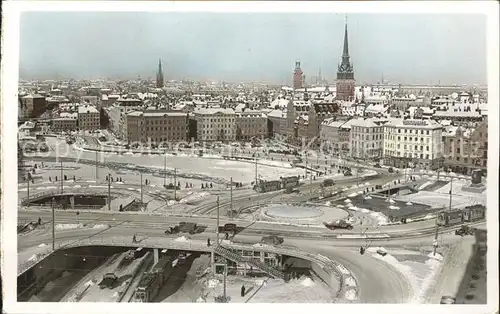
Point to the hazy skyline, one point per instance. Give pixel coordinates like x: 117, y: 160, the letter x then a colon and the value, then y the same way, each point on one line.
x: 404, y: 48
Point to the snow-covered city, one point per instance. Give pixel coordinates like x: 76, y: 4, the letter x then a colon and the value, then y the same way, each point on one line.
x: 329, y: 186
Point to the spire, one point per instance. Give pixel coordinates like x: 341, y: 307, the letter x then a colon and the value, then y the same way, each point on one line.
x: 346, y: 42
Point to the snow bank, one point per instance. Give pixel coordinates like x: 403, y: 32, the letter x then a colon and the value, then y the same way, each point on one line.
x: 307, y: 282
x: 33, y: 257
x: 368, y: 198
x: 393, y: 207
x: 351, y: 295
x: 438, y: 256
x: 201, y: 300
x: 42, y: 245
x: 343, y: 270
x: 352, y: 194
x: 212, y: 283
x: 194, y: 197
x: 350, y: 282
x: 89, y: 283
x: 409, y: 203
x: 260, y: 282
x: 328, y: 203
x: 392, y: 201
x: 68, y: 226
x: 347, y: 201
x: 426, y: 184
x: 100, y: 226
x: 182, y: 239
x: 381, y: 218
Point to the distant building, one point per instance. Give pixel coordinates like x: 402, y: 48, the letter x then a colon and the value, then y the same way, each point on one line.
x: 298, y: 76
x: 345, y: 74
x: 32, y: 106
x: 89, y: 118
x: 65, y: 122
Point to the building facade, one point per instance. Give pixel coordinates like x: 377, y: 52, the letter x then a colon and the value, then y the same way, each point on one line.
x: 65, y: 122
x: 215, y: 124
x: 413, y: 143
x: 250, y: 124
x: 367, y: 138
x: 466, y: 149
x: 88, y: 118
x: 345, y: 83
x: 32, y: 106
x: 156, y: 127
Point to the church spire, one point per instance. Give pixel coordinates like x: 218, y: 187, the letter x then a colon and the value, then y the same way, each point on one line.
x: 346, y: 41
x: 159, y: 76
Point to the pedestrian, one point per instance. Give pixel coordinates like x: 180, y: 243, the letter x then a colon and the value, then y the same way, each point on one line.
x: 74, y: 179
x: 208, y: 242
x: 134, y: 239
x: 65, y: 178
x: 202, y: 186
x: 56, y: 178
x: 39, y: 221
x: 243, y: 290
x: 211, y: 186
x: 50, y: 179
x: 227, y: 236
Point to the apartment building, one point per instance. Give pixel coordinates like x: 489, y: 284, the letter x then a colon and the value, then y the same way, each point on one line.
x: 156, y: 126
x: 250, y: 124
x: 88, y: 118
x: 32, y: 106
x: 335, y: 136
x: 65, y: 122
x: 413, y: 143
x: 367, y: 138
x: 215, y: 124
x: 466, y: 148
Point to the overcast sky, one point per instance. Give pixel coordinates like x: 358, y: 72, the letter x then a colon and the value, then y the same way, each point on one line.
x: 450, y: 49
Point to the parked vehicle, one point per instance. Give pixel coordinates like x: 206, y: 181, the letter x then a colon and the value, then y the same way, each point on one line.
x: 339, y: 224
x: 229, y: 227
x: 108, y: 281
x: 185, y: 227
x: 391, y: 170
x: 274, y: 240
x: 328, y: 182
x: 467, y: 214
x: 347, y: 173
x: 464, y: 231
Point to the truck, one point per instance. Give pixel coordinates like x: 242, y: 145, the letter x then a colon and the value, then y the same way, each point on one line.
x: 109, y: 280
x: 338, y: 224
x: 229, y: 227
x: 328, y: 182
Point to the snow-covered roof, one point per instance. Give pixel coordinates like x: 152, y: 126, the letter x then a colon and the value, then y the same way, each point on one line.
x: 87, y: 109
x: 212, y: 111
x: 277, y: 114
x: 414, y: 123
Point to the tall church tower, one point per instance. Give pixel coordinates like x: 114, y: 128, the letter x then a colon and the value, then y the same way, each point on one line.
x: 297, y: 76
x: 345, y: 74
x: 159, y: 76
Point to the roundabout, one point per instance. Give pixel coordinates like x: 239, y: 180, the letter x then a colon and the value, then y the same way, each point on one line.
x: 300, y: 213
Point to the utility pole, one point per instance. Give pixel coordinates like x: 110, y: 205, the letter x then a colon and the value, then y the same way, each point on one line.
x: 96, y: 166
x: 256, y: 175
x: 62, y: 179
x: 435, y: 243
x: 109, y: 191
x: 53, y: 225
x: 451, y: 192
x: 165, y: 170
x: 175, y: 184
x: 225, y: 275
x: 28, y: 178
x: 231, y: 195
x: 141, y: 189
x: 217, y: 230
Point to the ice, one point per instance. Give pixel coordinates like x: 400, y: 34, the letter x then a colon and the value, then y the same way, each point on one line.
x: 351, y: 295
x: 182, y: 239
x: 307, y: 282
x: 42, y: 245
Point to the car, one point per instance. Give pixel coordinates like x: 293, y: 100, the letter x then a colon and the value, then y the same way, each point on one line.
x: 274, y: 240
x: 391, y: 170
x: 446, y: 299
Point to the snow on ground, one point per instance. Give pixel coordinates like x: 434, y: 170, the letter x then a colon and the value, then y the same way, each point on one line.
x: 182, y: 239
x: 426, y: 184
x: 351, y: 295
x: 68, y: 226
x: 380, y: 218
x: 393, y: 207
x: 194, y: 197
x: 421, y: 276
x: 302, y: 290
x: 438, y: 200
x: 42, y: 245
